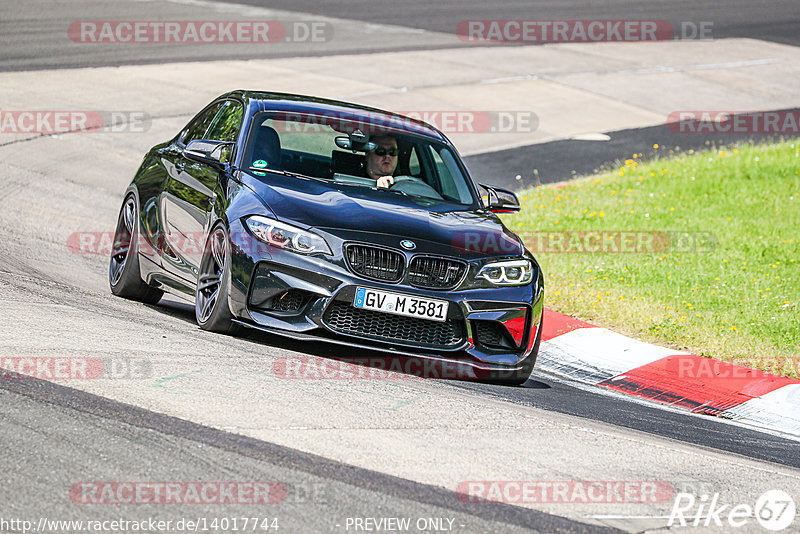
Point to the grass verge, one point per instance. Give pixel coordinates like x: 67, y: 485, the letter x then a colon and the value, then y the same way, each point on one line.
x: 698, y: 251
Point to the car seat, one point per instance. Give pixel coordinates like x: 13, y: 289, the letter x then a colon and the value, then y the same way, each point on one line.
x: 266, y: 147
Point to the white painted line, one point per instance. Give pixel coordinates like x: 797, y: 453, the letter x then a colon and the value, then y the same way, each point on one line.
x: 677, y: 68
x: 648, y: 70
x: 591, y: 137
x: 512, y: 78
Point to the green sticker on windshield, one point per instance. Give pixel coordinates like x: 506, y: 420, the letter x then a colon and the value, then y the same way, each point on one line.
x: 261, y: 164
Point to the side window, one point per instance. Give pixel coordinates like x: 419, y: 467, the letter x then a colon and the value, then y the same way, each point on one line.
x: 452, y: 182
x: 226, y: 124
x: 441, y: 168
x: 197, y: 129
x: 414, y: 168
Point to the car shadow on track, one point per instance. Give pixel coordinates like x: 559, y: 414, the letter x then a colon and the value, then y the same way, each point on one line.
x: 343, y: 362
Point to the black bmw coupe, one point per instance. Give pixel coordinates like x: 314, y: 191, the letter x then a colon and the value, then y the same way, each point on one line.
x: 267, y: 213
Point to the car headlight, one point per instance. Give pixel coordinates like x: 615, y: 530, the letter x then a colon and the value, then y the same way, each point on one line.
x: 507, y: 273
x: 286, y: 236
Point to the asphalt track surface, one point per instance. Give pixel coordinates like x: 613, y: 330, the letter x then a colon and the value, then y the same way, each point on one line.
x: 320, y: 493
x: 776, y: 21
x: 541, y: 391
x: 53, y: 435
x: 33, y: 38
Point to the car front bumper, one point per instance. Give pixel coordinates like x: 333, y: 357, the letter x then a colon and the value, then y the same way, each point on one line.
x: 311, y: 298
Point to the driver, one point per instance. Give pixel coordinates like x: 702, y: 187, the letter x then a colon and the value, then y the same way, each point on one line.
x: 382, y: 162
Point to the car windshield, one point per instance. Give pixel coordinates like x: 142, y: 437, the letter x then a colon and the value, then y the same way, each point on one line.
x: 337, y: 151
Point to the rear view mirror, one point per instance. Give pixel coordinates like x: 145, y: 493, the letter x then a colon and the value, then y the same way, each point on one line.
x: 500, y: 200
x: 355, y: 144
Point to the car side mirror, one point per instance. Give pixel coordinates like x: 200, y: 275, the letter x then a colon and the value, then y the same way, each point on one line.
x: 499, y: 200
x: 214, y: 153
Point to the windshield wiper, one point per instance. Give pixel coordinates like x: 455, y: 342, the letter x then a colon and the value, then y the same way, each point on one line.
x: 284, y: 173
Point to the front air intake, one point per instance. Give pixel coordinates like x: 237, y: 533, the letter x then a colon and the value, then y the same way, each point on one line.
x: 375, y: 263
x: 430, y: 272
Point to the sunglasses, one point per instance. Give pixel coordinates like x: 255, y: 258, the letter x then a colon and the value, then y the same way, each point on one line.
x: 380, y: 151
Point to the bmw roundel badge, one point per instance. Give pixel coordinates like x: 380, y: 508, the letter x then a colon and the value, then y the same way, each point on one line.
x: 408, y: 244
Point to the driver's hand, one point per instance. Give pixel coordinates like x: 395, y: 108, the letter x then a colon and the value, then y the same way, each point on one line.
x: 385, y: 181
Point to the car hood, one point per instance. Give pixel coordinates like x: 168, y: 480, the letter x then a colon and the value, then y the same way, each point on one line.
x: 355, y: 213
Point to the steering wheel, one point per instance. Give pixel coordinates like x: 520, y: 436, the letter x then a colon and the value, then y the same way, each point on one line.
x: 414, y: 186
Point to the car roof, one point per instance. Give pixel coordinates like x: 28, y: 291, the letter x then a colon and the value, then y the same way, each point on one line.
x: 287, y: 102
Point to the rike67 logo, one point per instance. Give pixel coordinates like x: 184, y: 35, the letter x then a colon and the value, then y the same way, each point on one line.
x: 775, y: 510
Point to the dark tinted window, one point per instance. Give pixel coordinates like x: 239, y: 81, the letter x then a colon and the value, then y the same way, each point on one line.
x: 312, y: 144
x: 197, y: 129
x: 226, y: 124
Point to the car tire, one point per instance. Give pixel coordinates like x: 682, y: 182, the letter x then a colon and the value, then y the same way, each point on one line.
x: 211, y: 296
x: 519, y: 377
x: 124, y: 275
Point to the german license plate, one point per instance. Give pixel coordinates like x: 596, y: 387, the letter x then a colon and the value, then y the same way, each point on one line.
x: 410, y: 306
